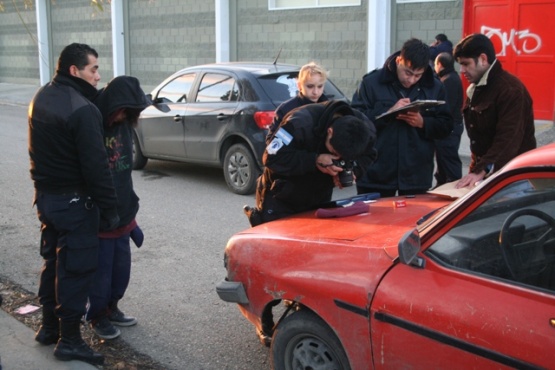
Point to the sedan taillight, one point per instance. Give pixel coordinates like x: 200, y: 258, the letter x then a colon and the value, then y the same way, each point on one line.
x: 264, y: 119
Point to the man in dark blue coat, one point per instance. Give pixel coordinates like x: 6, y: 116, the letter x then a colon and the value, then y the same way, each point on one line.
x: 405, y: 142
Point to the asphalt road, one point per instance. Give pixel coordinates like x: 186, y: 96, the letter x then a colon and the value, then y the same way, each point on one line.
x: 187, y: 215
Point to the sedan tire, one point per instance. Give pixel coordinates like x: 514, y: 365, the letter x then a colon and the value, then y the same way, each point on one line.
x: 139, y: 160
x: 304, y: 341
x: 240, y: 169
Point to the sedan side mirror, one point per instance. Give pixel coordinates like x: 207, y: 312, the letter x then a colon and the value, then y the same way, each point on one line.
x: 162, y: 107
x: 408, y: 248
x: 160, y: 104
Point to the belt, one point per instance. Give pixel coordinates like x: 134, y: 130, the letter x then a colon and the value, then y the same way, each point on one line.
x: 79, y: 193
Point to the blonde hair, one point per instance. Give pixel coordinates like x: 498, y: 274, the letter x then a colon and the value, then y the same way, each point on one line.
x: 310, y: 69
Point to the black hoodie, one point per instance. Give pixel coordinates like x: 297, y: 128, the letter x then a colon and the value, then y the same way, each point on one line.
x: 122, y: 92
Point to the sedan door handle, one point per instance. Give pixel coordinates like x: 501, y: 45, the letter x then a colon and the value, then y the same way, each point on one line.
x: 177, y: 118
x: 222, y: 117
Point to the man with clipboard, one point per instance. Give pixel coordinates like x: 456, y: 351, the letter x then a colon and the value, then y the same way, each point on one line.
x: 405, y: 139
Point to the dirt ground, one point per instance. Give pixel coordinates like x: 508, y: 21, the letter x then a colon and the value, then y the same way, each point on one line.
x: 118, y: 354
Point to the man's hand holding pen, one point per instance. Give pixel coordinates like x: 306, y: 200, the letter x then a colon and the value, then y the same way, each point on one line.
x: 400, y: 104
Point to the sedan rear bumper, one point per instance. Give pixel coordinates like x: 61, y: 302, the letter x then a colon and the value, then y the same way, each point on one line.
x: 231, y: 291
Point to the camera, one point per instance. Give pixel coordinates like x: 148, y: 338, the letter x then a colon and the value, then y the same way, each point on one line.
x: 346, y: 176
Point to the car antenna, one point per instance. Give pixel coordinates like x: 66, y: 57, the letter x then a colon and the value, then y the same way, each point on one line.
x: 279, y: 52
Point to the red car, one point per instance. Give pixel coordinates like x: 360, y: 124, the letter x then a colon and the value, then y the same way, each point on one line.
x: 436, y: 284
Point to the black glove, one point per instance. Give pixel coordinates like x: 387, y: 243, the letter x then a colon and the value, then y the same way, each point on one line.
x: 137, y: 236
x: 109, y: 219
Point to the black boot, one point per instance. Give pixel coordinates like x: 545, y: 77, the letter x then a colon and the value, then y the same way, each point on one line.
x: 72, y: 347
x: 49, y: 331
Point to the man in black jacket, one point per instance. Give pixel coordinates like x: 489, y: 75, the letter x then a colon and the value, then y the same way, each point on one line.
x: 74, y: 195
x: 449, y: 165
x: 300, y: 172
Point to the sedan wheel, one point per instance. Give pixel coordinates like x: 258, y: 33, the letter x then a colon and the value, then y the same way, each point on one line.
x: 240, y: 170
x: 303, y: 341
x: 139, y: 160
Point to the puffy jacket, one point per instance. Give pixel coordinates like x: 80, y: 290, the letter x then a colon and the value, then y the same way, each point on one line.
x: 405, y: 153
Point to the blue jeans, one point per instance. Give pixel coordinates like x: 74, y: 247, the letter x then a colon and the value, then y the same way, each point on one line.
x: 112, y: 276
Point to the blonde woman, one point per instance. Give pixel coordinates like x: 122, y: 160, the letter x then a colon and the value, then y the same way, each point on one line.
x: 310, y: 82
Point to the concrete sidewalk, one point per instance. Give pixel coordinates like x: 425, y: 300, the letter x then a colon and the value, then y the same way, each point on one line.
x: 20, y: 351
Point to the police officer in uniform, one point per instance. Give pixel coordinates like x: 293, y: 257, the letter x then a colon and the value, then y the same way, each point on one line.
x: 74, y: 195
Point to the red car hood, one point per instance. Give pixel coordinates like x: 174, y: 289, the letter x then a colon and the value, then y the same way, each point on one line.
x: 381, y: 227
x: 285, y: 259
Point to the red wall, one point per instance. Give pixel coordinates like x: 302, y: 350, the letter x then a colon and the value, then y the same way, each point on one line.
x: 521, y: 33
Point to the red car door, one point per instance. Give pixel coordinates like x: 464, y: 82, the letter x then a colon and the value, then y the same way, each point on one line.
x: 473, y: 305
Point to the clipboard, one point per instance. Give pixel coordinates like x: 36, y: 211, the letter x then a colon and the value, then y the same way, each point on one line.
x: 415, y: 106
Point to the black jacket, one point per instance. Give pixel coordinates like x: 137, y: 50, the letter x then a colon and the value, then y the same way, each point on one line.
x: 122, y: 92
x: 443, y: 47
x: 66, y: 142
x: 290, y: 176
x: 454, y: 93
x: 286, y: 107
x: 405, y: 153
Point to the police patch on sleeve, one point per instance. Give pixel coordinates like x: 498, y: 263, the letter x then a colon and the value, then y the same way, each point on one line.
x: 274, y: 146
x: 281, y: 138
x: 284, y: 136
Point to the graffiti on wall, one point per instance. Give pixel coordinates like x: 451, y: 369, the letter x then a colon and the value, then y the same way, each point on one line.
x: 529, y: 42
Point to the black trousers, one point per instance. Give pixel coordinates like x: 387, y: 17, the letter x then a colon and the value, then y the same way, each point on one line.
x: 69, y: 246
x: 449, y: 164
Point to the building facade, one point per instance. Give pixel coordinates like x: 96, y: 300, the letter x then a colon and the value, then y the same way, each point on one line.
x: 151, y: 39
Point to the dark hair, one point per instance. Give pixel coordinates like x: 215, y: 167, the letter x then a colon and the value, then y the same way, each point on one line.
x: 474, y: 45
x: 75, y: 55
x: 446, y: 60
x: 350, y: 136
x: 441, y: 37
x: 416, y: 53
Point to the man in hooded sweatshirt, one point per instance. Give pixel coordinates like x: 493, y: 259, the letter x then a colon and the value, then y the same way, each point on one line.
x: 120, y: 103
x: 300, y: 160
